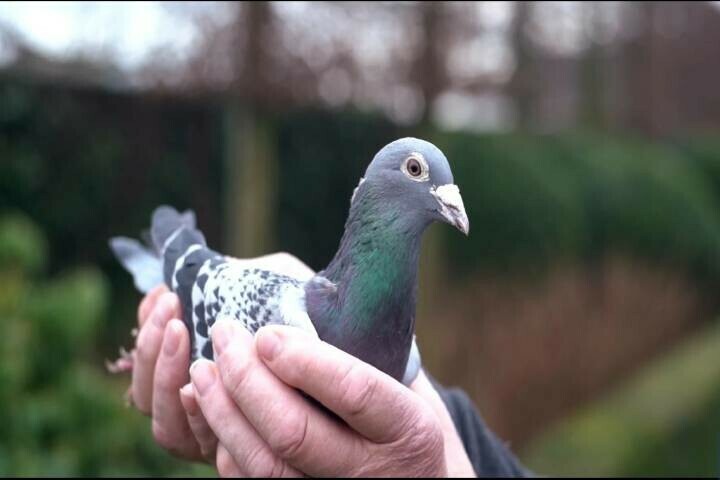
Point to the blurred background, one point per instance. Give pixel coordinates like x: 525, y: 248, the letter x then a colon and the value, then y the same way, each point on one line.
x: 581, y: 314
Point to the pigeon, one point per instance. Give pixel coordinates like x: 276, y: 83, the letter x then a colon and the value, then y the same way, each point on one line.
x: 363, y: 302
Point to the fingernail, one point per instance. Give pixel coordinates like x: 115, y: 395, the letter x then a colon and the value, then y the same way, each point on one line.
x: 163, y: 310
x: 203, y: 375
x: 220, y: 334
x: 187, y: 397
x: 172, y: 339
x: 187, y: 390
x: 268, y: 343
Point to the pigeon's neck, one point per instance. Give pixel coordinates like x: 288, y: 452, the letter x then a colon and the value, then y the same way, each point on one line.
x: 372, y: 314
x: 376, y: 264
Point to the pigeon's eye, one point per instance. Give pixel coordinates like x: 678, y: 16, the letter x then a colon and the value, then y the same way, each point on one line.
x: 416, y: 168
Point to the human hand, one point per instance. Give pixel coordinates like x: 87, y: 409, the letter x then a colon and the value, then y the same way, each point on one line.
x: 160, y: 362
x: 265, y: 427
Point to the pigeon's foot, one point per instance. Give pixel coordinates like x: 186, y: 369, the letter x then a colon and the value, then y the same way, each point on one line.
x: 122, y: 364
x: 129, y: 398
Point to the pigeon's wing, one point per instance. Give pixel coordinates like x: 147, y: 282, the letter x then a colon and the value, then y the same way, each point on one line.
x: 251, y: 296
x: 208, y: 284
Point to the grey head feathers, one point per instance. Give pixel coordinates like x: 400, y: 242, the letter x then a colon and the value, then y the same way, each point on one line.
x: 413, y: 177
x: 392, y: 157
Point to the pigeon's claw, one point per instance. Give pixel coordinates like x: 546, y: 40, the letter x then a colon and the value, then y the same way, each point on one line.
x: 122, y: 364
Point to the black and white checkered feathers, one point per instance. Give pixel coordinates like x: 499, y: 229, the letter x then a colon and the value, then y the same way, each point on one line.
x: 209, y: 285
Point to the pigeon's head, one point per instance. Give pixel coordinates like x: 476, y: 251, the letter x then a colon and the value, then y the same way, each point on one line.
x: 414, y: 176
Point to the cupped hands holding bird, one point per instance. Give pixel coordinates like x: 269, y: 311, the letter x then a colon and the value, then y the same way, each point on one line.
x: 243, y: 412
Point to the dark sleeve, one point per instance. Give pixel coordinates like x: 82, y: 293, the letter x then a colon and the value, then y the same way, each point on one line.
x: 488, y: 455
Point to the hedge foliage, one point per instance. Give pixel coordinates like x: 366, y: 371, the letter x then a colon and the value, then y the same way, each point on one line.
x: 539, y: 199
x: 61, y: 414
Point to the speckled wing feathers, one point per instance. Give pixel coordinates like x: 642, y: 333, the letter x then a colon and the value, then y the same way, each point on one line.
x: 212, y: 287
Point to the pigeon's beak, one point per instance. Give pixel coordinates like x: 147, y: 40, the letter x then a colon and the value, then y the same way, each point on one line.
x: 451, y: 206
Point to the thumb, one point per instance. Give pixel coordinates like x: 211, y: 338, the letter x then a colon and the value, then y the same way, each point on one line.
x: 457, y: 460
x: 424, y: 388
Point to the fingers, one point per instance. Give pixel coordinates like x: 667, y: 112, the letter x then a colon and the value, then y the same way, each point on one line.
x: 148, y: 347
x: 169, y: 425
x: 148, y: 303
x: 248, y: 451
x: 371, y: 402
x: 457, y: 460
x: 424, y: 388
x: 226, y: 465
x: 294, y: 429
x: 201, y: 430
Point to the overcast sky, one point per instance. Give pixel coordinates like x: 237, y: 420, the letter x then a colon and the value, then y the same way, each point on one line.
x: 130, y: 30
x: 127, y: 32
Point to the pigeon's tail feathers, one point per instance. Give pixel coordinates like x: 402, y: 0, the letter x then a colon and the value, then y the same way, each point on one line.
x: 144, y: 264
x: 147, y: 262
x: 174, y: 236
x: 167, y: 223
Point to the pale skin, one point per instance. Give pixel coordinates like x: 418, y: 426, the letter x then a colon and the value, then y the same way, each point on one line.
x: 243, y: 413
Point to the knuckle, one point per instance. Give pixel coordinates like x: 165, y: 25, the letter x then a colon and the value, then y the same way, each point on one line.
x: 141, y: 403
x: 278, y: 470
x: 357, y: 389
x: 236, y: 374
x: 162, y: 437
x: 145, y: 410
x: 142, y: 310
x: 260, y: 462
x: 290, y: 440
x: 207, y: 452
x: 420, y: 448
x: 225, y: 464
x: 146, y: 350
x: 295, y: 368
x: 367, y: 460
x: 424, y: 435
x: 173, y: 302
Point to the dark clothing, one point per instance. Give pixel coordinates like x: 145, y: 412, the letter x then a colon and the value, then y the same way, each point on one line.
x: 488, y: 455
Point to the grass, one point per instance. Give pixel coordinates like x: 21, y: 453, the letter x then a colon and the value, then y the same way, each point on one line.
x: 664, y: 420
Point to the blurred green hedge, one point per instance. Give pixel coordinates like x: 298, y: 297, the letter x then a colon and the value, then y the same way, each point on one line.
x: 86, y: 164
x: 533, y: 200
x: 60, y: 414
x: 89, y: 164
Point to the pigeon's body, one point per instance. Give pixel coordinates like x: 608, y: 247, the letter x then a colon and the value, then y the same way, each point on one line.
x: 211, y: 287
x: 363, y: 302
x: 252, y: 296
